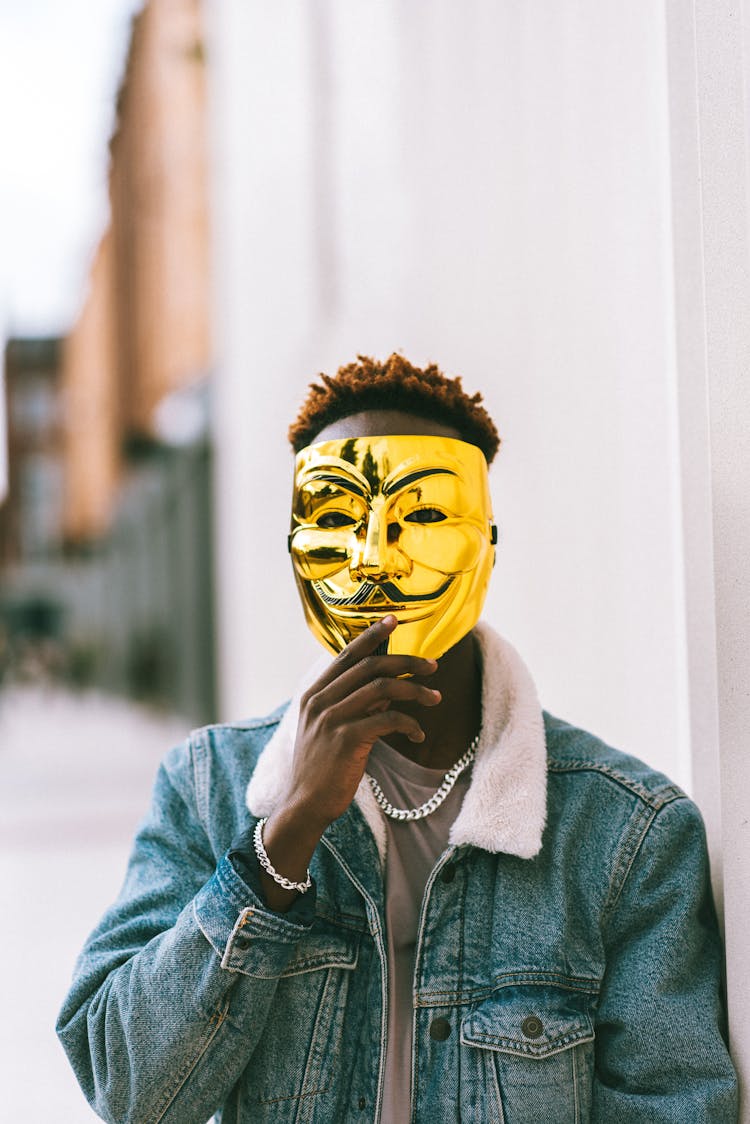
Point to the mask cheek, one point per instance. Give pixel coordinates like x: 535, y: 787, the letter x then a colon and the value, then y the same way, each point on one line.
x: 450, y: 549
x: 319, y: 554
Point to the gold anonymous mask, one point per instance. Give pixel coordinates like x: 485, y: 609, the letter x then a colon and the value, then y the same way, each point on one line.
x: 399, y: 525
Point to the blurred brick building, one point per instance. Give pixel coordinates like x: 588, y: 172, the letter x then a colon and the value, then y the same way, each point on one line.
x: 143, y: 332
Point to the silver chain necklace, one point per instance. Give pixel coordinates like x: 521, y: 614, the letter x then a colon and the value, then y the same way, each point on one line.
x: 436, y: 799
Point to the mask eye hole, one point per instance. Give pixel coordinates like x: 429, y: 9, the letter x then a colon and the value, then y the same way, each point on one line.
x: 425, y: 515
x: 330, y: 520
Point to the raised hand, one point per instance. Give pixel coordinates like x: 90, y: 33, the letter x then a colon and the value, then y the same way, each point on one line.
x: 342, y: 714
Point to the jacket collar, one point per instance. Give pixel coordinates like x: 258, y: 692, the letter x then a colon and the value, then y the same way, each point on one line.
x: 504, y: 808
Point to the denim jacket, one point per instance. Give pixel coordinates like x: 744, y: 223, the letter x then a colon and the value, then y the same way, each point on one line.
x: 567, y: 967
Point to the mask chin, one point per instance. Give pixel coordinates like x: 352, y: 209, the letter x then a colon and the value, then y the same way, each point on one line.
x: 430, y: 635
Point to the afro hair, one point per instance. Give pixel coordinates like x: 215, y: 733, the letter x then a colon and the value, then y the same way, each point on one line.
x: 394, y: 385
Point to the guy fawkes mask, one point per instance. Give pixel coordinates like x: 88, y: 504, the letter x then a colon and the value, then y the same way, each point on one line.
x: 397, y: 524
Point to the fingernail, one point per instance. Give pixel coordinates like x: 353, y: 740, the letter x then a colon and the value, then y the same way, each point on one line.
x: 389, y: 620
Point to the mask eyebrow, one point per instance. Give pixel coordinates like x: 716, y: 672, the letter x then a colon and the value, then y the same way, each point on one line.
x: 344, y: 482
x: 412, y: 477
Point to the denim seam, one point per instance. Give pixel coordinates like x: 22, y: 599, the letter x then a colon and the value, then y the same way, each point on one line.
x: 536, y: 1053
x: 198, y: 756
x: 510, y: 979
x: 250, y: 724
x: 629, y: 848
x: 574, y: 1071
x: 271, y: 927
x: 461, y: 929
x: 656, y: 800
x: 489, y: 1063
x: 415, y: 1065
x: 182, y: 1074
x: 351, y: 922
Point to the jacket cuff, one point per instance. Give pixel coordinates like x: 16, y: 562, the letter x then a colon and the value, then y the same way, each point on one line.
x: 242, y: 930
x: 245, y: 862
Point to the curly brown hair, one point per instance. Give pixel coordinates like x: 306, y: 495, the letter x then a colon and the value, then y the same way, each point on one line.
x: 394, y: 385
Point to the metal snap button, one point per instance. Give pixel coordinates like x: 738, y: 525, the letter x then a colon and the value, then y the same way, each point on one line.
x: 532, y: 1027
x: 440, y: 1029
x: 361, y: 1103
x: 447, y: 874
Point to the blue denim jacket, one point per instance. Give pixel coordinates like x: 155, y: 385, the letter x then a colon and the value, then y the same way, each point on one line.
x: 580, y: 984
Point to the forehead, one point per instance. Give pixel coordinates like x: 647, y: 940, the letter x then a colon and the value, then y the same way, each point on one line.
x: 388, y: 464
x: 385, y: 423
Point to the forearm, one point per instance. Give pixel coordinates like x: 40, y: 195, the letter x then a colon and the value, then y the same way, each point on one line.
x: 165, y: 1032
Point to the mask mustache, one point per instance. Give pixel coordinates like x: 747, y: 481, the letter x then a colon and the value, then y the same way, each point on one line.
x: 368, y: 590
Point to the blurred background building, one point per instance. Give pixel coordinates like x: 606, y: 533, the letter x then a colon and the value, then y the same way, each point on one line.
x: 31, y: 519
x: 106, y: 533
x: 31, y: 516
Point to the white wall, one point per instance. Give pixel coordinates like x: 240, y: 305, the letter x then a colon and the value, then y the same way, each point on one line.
x: 708, y: 55
x: 486, y: 186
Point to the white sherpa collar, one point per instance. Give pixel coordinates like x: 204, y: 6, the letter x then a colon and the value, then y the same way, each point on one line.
x: 504, y: 808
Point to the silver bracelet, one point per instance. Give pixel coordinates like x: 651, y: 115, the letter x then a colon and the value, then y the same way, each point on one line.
x: 265, y: 862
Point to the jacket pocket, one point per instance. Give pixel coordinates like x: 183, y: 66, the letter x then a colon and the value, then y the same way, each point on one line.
x: 531, y: 1047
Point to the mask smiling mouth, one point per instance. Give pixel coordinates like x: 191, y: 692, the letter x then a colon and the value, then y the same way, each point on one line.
x: 377, y: 595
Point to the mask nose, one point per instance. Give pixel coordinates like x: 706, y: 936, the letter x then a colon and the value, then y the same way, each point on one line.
x: 376, y: 559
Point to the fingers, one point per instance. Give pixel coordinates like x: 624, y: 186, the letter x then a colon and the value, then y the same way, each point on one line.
x: 358, y: 690
x: 356, y: 650
x: 357, y: 664
x: 370, y: 669
x: 378, y: 695
x: 345, y: 675
x: 388, y: 722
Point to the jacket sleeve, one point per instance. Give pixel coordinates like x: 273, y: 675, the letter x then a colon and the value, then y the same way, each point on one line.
x: 172, y: 990
x: 660, y: 1050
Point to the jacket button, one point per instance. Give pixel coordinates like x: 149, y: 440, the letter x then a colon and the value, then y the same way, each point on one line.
x: 532, y: 1027
x: 440, y: 1029
x: 361, y: 1103
x: 447, y: 874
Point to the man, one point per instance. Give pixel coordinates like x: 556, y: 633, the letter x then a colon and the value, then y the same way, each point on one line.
x: 410, y: 895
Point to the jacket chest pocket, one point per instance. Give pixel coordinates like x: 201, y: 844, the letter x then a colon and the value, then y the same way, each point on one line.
x: 295, y: 1063
x: 531, y: 1050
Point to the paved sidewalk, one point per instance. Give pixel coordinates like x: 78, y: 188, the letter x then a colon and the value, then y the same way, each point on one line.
x: 75, y: 777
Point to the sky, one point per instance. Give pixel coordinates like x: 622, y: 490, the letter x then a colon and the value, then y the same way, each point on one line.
x: 60, y: 66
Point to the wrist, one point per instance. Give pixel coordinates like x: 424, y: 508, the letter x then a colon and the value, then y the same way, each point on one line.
x: 299, y: 887
x: 289, y: 841
x: 298, y: 819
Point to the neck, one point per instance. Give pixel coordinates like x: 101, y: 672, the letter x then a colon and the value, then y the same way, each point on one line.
x: 450, y: 726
